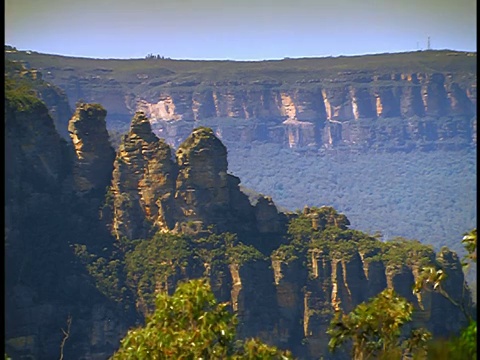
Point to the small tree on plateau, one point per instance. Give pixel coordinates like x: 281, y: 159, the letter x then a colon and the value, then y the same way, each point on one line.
x: 190, y: 324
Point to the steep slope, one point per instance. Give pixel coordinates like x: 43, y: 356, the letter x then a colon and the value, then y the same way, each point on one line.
x: 54, y: 98
x: 45, y: 284
x: 289, y: 297
x: 94, y: 154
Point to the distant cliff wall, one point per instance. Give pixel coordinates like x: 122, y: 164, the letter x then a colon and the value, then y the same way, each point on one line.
x: 424, y: 99
x: 396, y: 110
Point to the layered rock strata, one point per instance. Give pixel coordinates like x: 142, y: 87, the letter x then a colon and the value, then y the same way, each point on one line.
x: 298, y: 103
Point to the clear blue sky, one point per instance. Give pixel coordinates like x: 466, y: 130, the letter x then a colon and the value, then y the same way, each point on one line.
x: 238, y: 30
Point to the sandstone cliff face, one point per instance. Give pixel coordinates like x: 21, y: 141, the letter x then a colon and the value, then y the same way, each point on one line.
x: 292, y: 299
x: 308, y: 103
x: 35, y: 153
x: 45, y: 284
x: 94, y: 154
x: 339, y: 284
x: 202, y: 186
x: 287, y: 301
x: 54, y: 98
x: 253, y: 299
x: 152, y: 192
x: 322, y: 117
x: 143, y: 183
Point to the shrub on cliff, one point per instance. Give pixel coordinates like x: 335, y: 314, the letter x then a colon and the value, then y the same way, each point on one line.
x: 153, y: 263
x: 375, y: 329
x: 190, y: 324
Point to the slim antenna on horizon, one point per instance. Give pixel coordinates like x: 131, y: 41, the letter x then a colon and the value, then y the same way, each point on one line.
x: 428, y: 43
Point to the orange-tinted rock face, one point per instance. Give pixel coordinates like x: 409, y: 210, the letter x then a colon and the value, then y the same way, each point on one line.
x: 143, y: 183
x: 306, y: 115
x: 398, y: 96
x: 153, y: 192
x: 320, y: 116
x: 287, y: 301
x: 179, y: 96
x: 201, y: 186
x: 94, y: 154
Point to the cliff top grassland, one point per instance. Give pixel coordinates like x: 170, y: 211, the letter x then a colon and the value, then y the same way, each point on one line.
x: 304, y: 70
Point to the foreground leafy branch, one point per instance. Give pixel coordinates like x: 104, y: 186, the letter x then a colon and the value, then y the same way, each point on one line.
x: 190, y: 324
x: 374, y: 329
x: 432, y: 279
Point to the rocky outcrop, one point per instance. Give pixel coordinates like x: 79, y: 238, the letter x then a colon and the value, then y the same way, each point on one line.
x: 94, y: 154
x: 287, y: 300
x: 45, y: 284
x: 143, y: 183
x: 34, y: 151
x: 253, y: 298
x: 292, y: 297
x: 52, y: 96
x: 202, y: 192
x: 338, y: 284
x: 152, y: 192
x: 268, y: 218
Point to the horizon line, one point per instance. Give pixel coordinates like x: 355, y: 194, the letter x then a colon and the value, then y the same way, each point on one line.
x: 237, y: 60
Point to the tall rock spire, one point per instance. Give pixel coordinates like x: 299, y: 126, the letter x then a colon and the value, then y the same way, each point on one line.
x: 143, y: 183
x: 94, y: 153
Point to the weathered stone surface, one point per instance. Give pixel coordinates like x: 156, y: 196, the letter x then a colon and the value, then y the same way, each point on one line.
x: 52, y: 96
x: 285, y: 303
x: 152, y: 192
x: 143, y: 183
x: 253, y: 299
x: 44, y: 282
x: 202, y: 187
x: 322, y: 93
x: 324, y: 117
x: 94, y: 154
x: 290, y: 278
x: 268, y: 218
